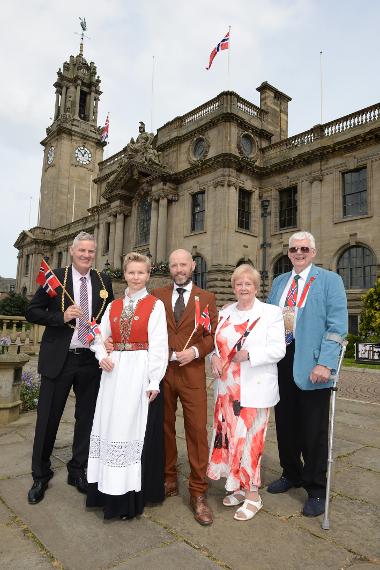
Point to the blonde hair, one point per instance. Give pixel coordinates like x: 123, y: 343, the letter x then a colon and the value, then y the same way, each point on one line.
x: 246, y: 268
x: 139, y: 257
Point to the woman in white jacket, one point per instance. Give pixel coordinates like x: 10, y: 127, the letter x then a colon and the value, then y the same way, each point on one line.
x: 249, y: 341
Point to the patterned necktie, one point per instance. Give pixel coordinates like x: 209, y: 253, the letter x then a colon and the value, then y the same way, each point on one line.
x: 179, y: 306
x: 291, y: 301
x: 291, y: 297
x: 84, y: 321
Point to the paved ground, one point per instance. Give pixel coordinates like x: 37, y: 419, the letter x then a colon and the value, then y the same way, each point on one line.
x: 60, y: 533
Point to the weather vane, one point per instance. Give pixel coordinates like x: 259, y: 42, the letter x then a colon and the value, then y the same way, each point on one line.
x: 83, y: 25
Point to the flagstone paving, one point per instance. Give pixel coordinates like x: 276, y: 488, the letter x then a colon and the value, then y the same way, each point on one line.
x: 60, y: 533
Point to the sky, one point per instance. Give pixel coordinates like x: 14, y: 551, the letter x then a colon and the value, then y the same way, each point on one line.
x: 278, y: 41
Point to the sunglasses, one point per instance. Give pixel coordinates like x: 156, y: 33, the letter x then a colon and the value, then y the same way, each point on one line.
x: 302, y: 249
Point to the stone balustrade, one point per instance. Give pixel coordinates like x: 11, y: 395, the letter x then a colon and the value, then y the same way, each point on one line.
x: 225, y: 102
x: 340, y: 125
x: 22, y: 333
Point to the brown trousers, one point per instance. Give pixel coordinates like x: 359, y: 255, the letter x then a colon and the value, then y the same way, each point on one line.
x: 194, y: 405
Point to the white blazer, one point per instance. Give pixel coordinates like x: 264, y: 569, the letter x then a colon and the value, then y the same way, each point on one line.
x: 266, y: 346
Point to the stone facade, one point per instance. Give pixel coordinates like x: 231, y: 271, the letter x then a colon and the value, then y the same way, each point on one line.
x: 224, y: 181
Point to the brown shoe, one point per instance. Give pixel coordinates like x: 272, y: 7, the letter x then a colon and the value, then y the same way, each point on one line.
x: 202, y: 512
x: 171, y: 489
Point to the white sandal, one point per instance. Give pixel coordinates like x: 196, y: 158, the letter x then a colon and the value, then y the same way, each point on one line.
x: 244, y: 510
x: 232, y: 500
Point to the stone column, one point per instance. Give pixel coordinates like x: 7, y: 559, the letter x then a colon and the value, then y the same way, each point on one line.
x: 112, y: 239
x: 119, y: 239
x: 96, y: 110
x: 56, y: 110
x: 153, y: 230
x: 162, y: 229
x: 63, y: 100
x: 77, y: 98
x: 91, y: 110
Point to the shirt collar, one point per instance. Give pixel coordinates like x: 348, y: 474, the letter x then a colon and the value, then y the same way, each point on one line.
x: 304, y: 274
x: 76, y: 275
x: 187, y: 287
x: 136, y: 296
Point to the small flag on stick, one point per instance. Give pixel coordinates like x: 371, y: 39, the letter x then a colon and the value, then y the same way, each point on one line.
x: 47, y: 279
x: 223, y: 44
x: 93, y: 331
x: 202, y: 317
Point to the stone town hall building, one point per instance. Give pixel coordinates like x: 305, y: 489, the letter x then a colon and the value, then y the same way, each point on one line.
x: 224, y: 181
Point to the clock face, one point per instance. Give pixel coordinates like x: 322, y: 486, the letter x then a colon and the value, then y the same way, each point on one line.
x: 50, y: 155
x: 83, y: 155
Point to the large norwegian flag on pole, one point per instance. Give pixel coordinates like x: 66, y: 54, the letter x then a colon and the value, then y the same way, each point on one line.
x: 47, y: 279
x: 105, y: 129
x: 223, y: 44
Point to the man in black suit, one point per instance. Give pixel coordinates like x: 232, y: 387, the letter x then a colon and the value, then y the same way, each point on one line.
x: 65, y: 362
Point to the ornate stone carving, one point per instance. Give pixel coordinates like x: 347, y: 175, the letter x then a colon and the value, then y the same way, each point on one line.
x: 142, y: 148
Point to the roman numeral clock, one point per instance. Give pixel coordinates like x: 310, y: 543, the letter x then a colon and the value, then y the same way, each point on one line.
x: 83, y: 155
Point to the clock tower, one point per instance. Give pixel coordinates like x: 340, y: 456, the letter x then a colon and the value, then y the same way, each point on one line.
x: 72, y: 146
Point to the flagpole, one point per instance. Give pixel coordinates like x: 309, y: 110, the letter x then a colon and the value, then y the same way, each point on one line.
x: 321, y: 84
x: 152, y: 96
x: 228, y: 58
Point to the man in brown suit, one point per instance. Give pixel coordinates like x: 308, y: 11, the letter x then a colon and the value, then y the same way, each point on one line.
x: 186, y: 379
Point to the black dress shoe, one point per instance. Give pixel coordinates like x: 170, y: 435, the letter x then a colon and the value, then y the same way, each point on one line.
x: 314, y: 507
x: 281, y: 485
x: 37, y: 492
x: 78, y: 481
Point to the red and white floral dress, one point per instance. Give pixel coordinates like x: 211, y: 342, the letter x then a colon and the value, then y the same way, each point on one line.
x: 238, y: 435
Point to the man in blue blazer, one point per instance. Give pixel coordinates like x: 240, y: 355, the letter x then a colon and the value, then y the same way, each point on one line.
x: 315, y: 314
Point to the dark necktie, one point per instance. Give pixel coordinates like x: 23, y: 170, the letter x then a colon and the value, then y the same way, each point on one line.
x: 179, y: 305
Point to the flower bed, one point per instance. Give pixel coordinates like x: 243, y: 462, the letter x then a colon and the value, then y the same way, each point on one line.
x: 30, y: 390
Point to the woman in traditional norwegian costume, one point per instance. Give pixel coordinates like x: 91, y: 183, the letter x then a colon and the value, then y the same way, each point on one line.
x: 126, y: 461
x: 249, y: 341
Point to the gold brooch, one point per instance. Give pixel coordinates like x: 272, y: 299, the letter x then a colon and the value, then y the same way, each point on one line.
x: 136, y: 318
x: 103, y: 294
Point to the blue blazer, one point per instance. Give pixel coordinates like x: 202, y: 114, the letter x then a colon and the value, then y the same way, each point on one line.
x: 324, y: 312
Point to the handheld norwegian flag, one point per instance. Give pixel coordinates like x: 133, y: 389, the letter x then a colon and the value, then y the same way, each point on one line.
x: 223, y: 44
x: 202, y: 317
x: 93, y: 331
x: 105, y: 129
x: 47, y: 279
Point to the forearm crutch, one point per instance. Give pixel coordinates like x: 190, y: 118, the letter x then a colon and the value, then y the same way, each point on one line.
x: 330, y: 460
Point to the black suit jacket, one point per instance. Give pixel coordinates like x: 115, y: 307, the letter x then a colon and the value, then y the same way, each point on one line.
x: 47, y: 311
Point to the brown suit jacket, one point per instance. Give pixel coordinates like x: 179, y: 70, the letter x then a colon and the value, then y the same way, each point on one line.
x: 194, y: 372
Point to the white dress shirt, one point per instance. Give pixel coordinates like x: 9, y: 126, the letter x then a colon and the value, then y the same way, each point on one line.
x: 301, y: 284
x: 75, y: 342
x: 186, y: 297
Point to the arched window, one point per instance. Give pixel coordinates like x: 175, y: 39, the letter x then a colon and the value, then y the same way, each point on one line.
x: 200, y: 271
x: 282, y: 265
x: 243, y: 260
x: 24, y: 291
x: 143, y: 221
x: 357, y: 267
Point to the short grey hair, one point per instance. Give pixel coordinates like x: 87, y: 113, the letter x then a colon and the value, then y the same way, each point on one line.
x: 83, y: 236
x: 303, y: 235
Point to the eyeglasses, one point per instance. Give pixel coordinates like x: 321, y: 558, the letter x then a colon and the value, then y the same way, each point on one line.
x: 302, y: 249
